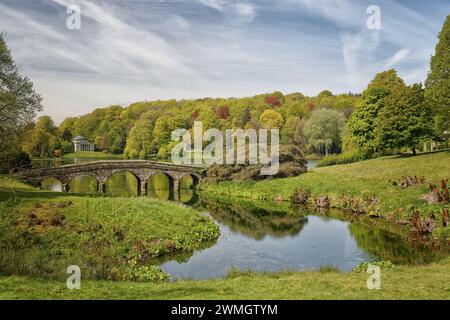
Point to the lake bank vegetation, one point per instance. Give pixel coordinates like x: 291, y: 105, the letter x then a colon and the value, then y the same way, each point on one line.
x: 43, y: 232
x: 369, y: 187
x: 399, y: 282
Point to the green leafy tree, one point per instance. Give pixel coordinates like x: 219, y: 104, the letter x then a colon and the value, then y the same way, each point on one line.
x: 244, y: 117
x: 271, y: 119
x: 140, y: 140
x: 162, y: 133
x: 406, y: 119
x: 388, y: 80
x: 18, y: 103
x: 437, y: 92
x: 42, y: 138
x: 364, y: 119
x: 66, y: 129
x: 324, y: 129
x: 289, y: 129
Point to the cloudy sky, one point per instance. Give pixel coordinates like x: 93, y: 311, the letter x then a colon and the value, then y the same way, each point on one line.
x: 134, y: 50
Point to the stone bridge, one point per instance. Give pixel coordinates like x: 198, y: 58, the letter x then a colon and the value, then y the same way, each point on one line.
x: 103, y: 170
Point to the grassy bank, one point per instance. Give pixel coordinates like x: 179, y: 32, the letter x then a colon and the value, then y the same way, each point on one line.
x: 371, y: 178
x: 91, y: 154
x: 425, y: 282
x: 42, y: 232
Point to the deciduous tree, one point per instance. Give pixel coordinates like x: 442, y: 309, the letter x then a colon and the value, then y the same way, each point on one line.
x: 324, y: 129
x: 18, y: 102
x: 406, y: 119
x: 364, y: 119
x: 437, y: 92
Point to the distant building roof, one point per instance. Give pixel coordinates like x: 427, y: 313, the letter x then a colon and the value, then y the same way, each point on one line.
x: 79, y: 139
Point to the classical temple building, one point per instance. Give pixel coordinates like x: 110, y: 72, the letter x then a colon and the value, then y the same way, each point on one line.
x: 81, y: 144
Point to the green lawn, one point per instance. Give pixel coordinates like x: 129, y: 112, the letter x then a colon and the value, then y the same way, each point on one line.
x: 425, y: 282
x: 91, y: 154
x: 43, y: 232
x: 361, y: 179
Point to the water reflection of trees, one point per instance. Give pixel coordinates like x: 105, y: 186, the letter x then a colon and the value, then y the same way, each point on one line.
x: 122, y: 184
x: 383, y: 239
x: 255, y: 222
x: 183, y: 256
x: 396, y: 246
x: 83, y: 184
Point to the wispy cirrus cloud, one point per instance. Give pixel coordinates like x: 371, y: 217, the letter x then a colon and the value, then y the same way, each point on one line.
x: 396, y: 58
x: 240, y: 10
x: 141, y: 50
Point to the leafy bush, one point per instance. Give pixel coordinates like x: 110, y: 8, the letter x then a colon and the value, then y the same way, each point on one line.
x: 362, y: 267
x: 442, y: 233
x: 235, y: 272
x: 342, y: 158
x: 15, y: 161
x: 133, y: 272
x: 291, y: 159
x: 300, y: 196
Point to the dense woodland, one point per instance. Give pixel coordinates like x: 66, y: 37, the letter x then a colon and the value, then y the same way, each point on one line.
x: 144, y: 128
x: 389, y: 116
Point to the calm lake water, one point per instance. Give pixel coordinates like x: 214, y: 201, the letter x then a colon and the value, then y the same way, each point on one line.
x: 273, y: 236
x: 311, y: 242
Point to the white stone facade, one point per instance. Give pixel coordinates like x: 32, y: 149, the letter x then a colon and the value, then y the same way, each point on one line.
x: 81, y: 144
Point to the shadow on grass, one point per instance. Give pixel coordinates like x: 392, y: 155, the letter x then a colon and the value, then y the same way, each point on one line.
x: 174, y: 293
x: 6, y: 194
x: 409, y: 155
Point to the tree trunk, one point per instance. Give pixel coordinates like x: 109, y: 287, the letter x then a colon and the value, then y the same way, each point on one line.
x: 414, y: 151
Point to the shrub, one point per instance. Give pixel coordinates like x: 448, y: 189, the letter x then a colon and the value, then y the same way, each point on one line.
x: 291, y: 159
x: 300, y: 196
x: 322, y: 202
x: 58, y: 153
x: 438, y: 195
x: 16, y: 161
x: 362, y: 267
x: 136, y: 273
x: 342, y: 158
x: 442, y: 233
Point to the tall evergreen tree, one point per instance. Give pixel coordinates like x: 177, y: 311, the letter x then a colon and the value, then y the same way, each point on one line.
x: 437, y: 92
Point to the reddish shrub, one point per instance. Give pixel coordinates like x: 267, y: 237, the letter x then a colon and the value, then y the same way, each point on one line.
x: 223, y: 112
x: 311, y: 106
x: 272, y: 101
